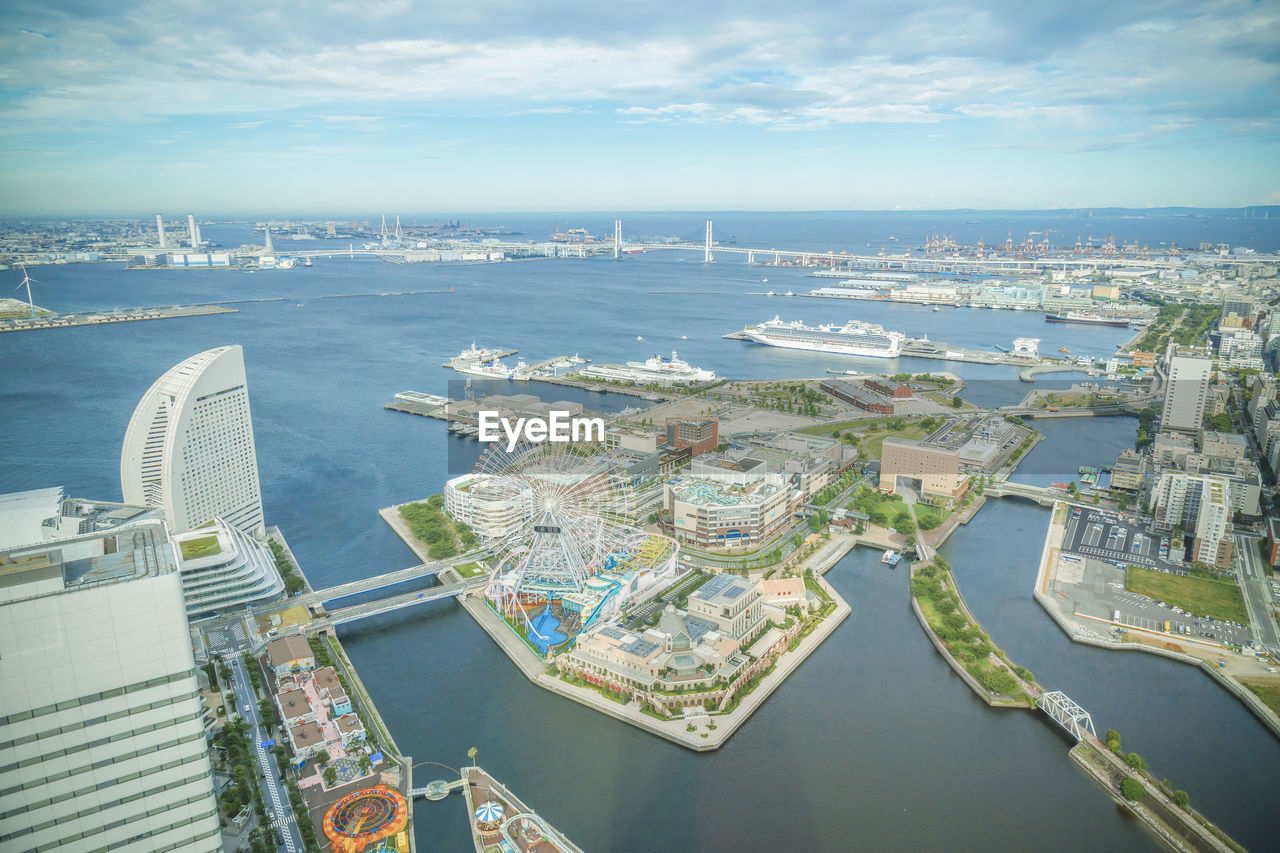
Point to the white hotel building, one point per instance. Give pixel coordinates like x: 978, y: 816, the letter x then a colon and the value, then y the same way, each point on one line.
x: 189, y: 447
x: 102, y: 747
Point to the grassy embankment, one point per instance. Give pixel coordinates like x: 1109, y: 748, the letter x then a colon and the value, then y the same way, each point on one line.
x: 1266, y: 689
x: 443, y: 536
x: 1202, y: 595
x: 933, y: 586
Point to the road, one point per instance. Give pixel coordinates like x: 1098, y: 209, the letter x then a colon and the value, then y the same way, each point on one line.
x: 277, y: 798
x: 1254, y: 582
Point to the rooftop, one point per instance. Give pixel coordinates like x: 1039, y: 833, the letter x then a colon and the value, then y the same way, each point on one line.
x: 288, y: 649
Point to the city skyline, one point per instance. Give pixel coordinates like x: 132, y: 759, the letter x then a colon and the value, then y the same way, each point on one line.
x: 916, y: 107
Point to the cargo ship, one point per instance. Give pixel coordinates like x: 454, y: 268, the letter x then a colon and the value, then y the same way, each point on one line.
x: 853, y: 338
x: 1087, y: 319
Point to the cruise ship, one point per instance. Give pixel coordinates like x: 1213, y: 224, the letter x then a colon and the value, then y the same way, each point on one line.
x: 1087, y: 319
x: 665, y: 371
x: 853, y: 338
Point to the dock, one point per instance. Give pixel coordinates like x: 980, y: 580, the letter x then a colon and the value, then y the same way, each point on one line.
x: 123, y: 315
x: 511, y: 820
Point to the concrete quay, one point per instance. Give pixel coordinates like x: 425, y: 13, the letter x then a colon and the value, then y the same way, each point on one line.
x: 1095, y: 632
x: 97, y: 318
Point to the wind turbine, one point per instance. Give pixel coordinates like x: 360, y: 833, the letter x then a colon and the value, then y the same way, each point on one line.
x: 26, y: 280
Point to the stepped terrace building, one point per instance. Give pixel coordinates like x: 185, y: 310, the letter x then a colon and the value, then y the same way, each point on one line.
x: 223, y: 569
x: 492, y: 507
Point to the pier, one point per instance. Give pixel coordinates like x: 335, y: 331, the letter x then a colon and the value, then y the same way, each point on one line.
x: 123, y: 315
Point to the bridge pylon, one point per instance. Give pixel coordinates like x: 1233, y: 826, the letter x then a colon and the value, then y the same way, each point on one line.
x: 706, y: 252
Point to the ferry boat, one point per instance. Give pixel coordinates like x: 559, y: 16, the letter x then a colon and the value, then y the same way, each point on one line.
x: 853, y: 338
x: 891, y: 557
x: 1086, y: 318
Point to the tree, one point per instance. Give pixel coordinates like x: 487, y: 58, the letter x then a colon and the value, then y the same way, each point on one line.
x: 365, y: 764
x: 322, y: 757
x: 1182, y: 798
x: 1133, y: 790
x: 471, y: 753
x: 330, y: 776
x: 956, y: 402
x: 1135, y: 761
x: 1112, y: 740
x: 1123, y: 502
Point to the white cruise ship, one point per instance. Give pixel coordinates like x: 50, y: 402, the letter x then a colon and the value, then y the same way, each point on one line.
x: 853, y: 338
x: 666, y: 371
x: 478, y: 354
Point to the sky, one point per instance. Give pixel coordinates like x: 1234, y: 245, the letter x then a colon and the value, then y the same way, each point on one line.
x: 326, y: 107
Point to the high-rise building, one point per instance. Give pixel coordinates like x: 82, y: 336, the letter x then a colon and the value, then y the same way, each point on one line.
x: 194, y: 230
x: 1185, y: 391
x: 189, y: 446
x: 160, y: 231
x: 1202, y: 506
x: 102, y: 746
x: 701, y: 435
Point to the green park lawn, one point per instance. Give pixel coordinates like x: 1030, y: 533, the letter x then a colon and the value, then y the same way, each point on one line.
x: 205, y: 546
x: 1201, y: 596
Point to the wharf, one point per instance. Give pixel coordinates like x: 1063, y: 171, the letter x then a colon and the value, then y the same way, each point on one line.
x: 603, y: 388
x: 123, y: 315
x: 516, y: 819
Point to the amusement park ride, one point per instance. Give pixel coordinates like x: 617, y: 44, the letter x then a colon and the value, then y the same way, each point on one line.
x: 364, y: 819
x: 577, y: 555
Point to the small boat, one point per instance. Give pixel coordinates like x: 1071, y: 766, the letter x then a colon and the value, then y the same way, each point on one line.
x: 764, y: 281
x: 1063, y: 349
x: 891, y: 557
x: 936, y: 308
x: 684, y: 337
x: 638, y: 338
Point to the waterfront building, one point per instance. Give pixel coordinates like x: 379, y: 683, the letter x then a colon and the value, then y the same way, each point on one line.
x: 889, y: 388
x: 1223, y: 445
x: 222, y: 568
x: 857, y: 396
x: 1144, y: 359
x: 1026, y: 347
x: 1129, y: 471
x: 638, y: 439
x: 189, y: 446
x: 1201, y: 506
x: 704, y: 511
x: 350, y: 730
x: 102, y: 725
x: 290, y: 654
x: 1272, y: 549
x: 493, y: 507
x: 937, y: 471
x: 700, y: 435
x: 331, y: 691
x: 1185, y: 391
x: 1171, y: 449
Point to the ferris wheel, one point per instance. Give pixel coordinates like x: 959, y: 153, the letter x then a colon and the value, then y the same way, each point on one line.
x: 571, y: 509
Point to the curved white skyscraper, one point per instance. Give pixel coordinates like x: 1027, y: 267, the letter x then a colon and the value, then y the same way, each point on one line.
x: 189, y: 446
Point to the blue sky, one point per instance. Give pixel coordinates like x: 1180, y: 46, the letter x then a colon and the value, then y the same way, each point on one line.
x: 331, y: 107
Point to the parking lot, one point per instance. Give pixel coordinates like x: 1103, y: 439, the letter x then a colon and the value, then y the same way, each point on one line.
x: 1119, y: 538
x: 1097, y: 547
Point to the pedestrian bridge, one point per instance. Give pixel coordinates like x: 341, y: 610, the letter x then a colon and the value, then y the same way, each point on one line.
x: 437, y: 790
x: 1039, y: 494
x: 1066, y: 713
